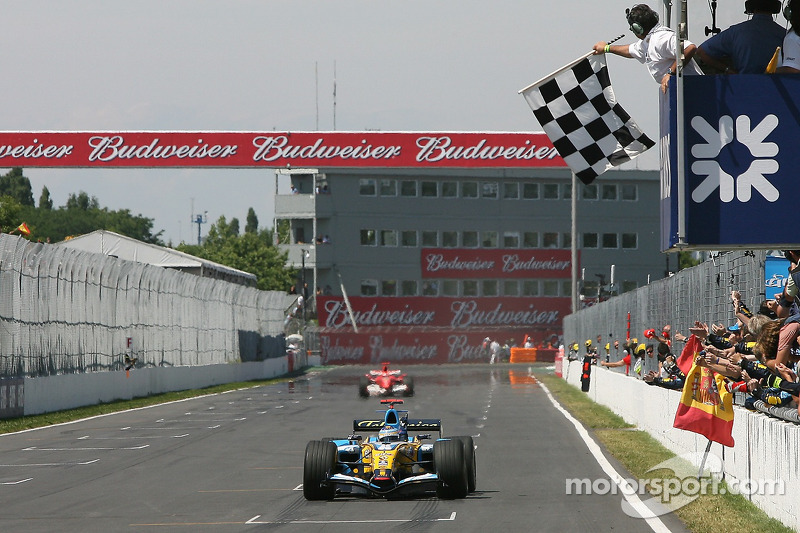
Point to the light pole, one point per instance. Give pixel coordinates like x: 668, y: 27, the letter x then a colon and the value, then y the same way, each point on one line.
x: 303, y: 291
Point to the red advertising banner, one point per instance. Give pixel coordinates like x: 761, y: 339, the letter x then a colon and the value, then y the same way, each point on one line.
x: 502, y: 264
x: 419, y: 346
x: 454, y: 313
x: 219, y: 149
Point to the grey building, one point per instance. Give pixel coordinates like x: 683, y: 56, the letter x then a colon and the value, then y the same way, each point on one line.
x: 368, y: 234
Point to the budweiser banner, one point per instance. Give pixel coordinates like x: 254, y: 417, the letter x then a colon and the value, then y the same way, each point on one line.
x: 454, y: 313
x: 481, y: 264
x: 218, y: 149
x: 424, y: 345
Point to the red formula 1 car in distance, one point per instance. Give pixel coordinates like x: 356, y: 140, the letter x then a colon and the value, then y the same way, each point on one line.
x: 385, y: 382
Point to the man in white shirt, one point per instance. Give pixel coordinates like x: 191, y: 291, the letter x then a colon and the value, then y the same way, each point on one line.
x: 790, y: 61
x: 656, y: 47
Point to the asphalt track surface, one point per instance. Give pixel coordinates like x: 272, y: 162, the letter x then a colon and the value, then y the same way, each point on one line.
x: 234, y: 462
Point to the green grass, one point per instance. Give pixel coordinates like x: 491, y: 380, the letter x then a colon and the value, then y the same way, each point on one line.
x: 638, y: 452
x: 59, y: 417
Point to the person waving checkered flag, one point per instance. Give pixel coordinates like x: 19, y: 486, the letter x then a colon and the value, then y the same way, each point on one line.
x: 578, y: 111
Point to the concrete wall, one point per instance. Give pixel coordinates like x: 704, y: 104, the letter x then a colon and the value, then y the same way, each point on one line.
x: 67, y: 391
x: 766, y: 448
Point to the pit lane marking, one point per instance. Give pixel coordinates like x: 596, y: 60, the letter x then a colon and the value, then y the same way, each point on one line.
x: 82, y: 449
x: 82, y: 463
x: 451, y: 518
x: 16, y: 482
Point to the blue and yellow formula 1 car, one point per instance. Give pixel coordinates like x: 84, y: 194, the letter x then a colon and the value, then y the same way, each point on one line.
x: 390, y: 463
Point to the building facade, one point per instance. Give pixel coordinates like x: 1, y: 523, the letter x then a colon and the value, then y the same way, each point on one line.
x: 431, y: 262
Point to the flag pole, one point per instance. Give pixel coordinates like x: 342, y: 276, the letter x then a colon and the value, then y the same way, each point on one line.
x: 574, y: 244
x: 703, y: 462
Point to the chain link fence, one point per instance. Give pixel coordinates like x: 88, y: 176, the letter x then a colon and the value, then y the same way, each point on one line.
x: 698, y: 293
x: 67, y: 311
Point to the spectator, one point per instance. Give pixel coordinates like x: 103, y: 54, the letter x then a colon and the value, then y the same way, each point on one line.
x: 293, y: 189
x: 790, y: 60
x: 655, y: 48
x: 747, y: 47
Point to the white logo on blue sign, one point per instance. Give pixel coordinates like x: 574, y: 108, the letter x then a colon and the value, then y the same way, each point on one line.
x: 754, y: 178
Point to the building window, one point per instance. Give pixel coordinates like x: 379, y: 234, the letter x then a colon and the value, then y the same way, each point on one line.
x: 566, y: 288
x: 589, y: 192
x: 469, y: 239
x: 388, y: 187
x: 430, y: 238
x: 450, y: 239
x: 489, y: 239
x: 489, y: 287
x: 566, y: 191
x: 566, y: 240
x: 550, y: 191
x: 510, y: 287
x: 367, y: 237
x: 510, y: 191
x: 408, y: 287
x: 369, y: 287
x: 530, y: 239
x: 628, y: 285
x: 408, y: 188
x: 408, y: 237
x: 389, y: 287
x: 549, y: 287
x: 608, y: 191
x: 530, y: 191
x: 430, y: 287
x: 388, y: 237
x: 470, y: 287
x: 550, y: 240
x: 366, y: 187
x: 610, y: 240
x: 449, y: 287
x: 590, y: 240
x: 511, y: 239
x: 489, y: 189
x: 429, y: 189
x: 469, y: 189
x: 530, y: 287
x: 630, y: 193
x: 449, y: 189
x: 630, y: 241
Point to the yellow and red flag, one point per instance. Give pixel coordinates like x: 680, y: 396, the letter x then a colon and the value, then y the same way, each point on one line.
x: 690, y: 350
x: 706, y: 406
x: 23, y: 228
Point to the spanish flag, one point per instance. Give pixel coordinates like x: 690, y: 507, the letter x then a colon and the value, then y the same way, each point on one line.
x: 706, y: 406
x: 690, y: 350
x: 23, y: 228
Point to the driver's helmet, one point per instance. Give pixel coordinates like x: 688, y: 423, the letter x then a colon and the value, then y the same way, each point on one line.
x: 391, y: 434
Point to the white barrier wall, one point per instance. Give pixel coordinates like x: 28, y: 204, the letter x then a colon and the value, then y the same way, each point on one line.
x: 67, y: 391
x: 766, y: 448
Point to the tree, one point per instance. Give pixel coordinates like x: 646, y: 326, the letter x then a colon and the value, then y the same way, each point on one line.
x: 45, y: 202
x: 251, y: 252
x: 252, y: 222
x: 17, y: 186
x: 10, y: 213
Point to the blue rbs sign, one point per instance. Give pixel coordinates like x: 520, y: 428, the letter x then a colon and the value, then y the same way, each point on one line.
x: 742, y: 160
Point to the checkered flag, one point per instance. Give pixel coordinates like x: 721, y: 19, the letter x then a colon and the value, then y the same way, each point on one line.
x: 578, y: 111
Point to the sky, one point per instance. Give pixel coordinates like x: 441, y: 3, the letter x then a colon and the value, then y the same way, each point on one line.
x: 247, y: 65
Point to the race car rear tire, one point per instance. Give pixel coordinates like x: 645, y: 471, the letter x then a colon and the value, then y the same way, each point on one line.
x: 448, y: 460
x: 469, y: 458
x: 363, y: 383
x: 319, y: 462
x: 409, y: 383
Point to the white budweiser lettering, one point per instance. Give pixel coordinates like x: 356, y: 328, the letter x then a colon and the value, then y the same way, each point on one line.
x: 466, y: 314
x: 114, y: 147
x: 432, y: 149
x: 35, y: 150
x: 460, y: 350
x: 338, y: 316
x: 512, y: 263
x: 334, y: 352
x: 436, y: 262
x: 278, y: 147
x: 397, y: 351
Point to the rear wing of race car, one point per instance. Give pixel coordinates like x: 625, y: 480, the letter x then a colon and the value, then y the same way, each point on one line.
x: 419, y: 424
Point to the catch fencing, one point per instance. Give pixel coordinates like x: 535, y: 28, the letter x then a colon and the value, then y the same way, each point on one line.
x: 64, y: 311
x: 698, y: 293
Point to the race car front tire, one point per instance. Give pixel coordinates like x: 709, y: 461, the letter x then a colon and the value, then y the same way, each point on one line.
x: 469, y: 458
x: 448, y: 460
x: 319, y: 461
